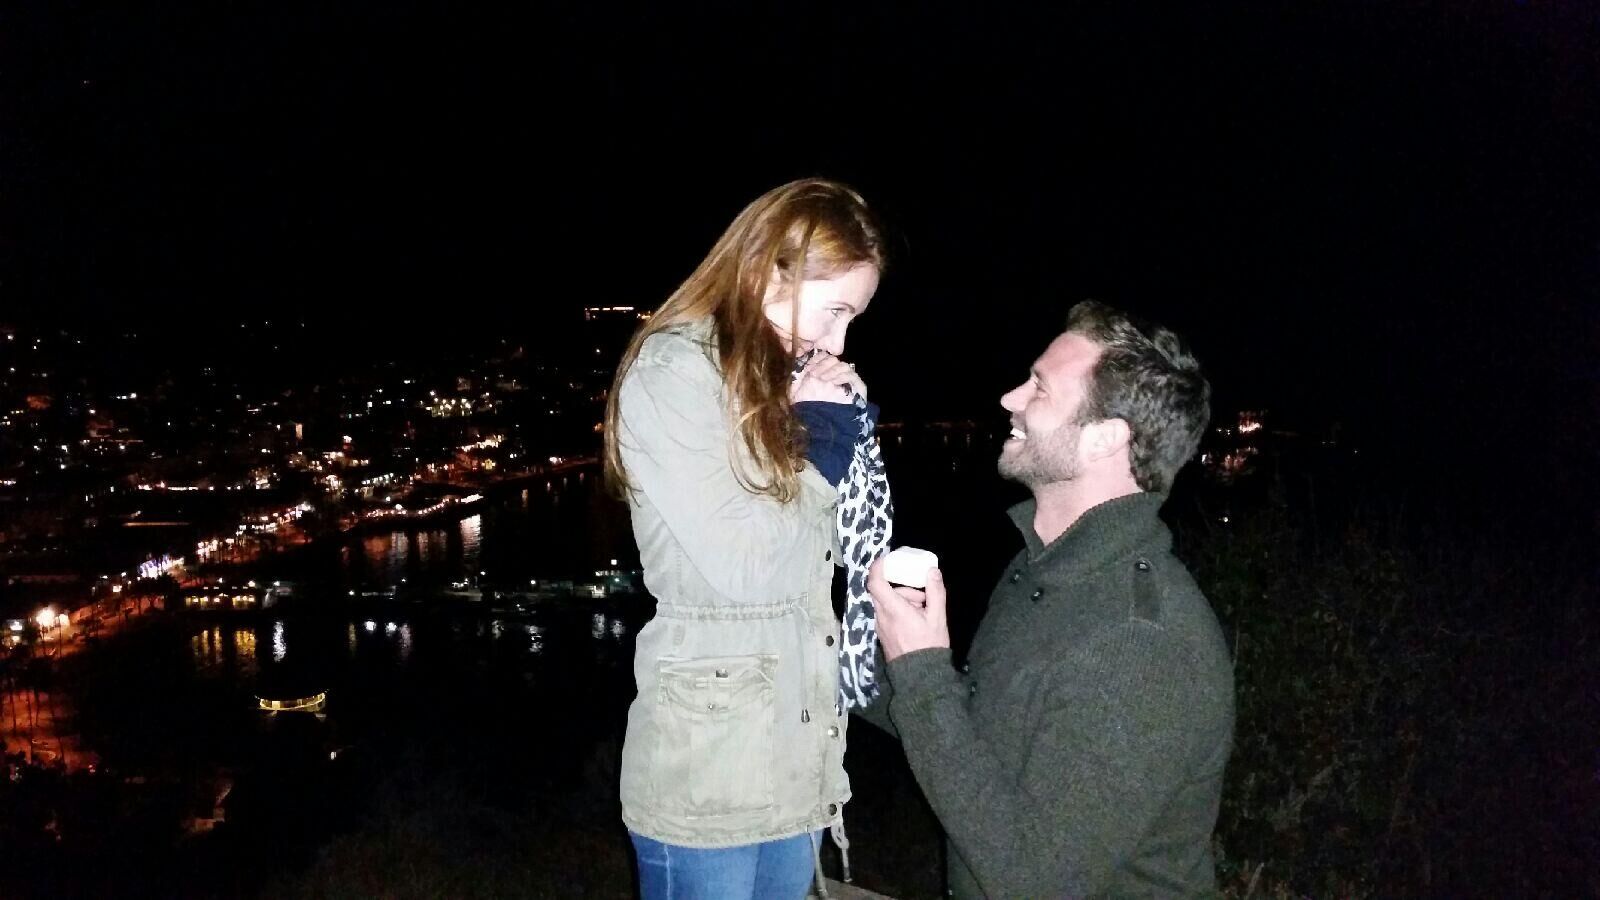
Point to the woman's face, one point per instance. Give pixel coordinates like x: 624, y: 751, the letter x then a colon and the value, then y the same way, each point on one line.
x: 826, y: 308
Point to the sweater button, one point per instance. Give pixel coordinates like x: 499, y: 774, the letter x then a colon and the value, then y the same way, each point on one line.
x: 1038, y: 592
x: 1016, y: 577
x: 833, y: 731
x: 1142, y: 565
x: 828, y: 640
x: 827, y: 556
x: 833, y: 809
x: 966, y: 667
x: 972, y: 689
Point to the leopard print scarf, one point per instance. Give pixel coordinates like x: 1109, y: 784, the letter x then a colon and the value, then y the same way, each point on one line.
x: 865, y: 520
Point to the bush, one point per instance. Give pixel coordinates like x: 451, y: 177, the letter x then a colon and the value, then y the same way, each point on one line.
x: 1415, y: 711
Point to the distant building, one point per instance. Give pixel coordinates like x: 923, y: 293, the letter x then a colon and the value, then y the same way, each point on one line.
x: 221, y: 598
x: 608, y: 330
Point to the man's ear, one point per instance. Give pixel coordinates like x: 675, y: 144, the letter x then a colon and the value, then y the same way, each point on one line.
x: 1105, y: 438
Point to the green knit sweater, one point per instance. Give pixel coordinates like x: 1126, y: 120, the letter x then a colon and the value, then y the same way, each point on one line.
x: 1080, y: 751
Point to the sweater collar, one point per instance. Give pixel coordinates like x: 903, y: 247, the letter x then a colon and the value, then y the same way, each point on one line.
x: 1113, y: 528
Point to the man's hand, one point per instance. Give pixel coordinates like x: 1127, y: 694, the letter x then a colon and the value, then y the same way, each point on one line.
x: 908, y: 619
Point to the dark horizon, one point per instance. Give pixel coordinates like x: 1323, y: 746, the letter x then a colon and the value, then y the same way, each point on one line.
x: 1383, y: 216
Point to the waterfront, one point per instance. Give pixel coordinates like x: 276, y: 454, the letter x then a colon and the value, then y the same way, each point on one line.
x: 464, y: 750
x: 532, y: 699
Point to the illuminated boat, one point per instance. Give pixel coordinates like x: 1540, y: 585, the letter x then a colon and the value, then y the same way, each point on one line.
x: 311, y: 704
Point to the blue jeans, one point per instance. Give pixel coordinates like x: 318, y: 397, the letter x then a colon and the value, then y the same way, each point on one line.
x: 774, y: 870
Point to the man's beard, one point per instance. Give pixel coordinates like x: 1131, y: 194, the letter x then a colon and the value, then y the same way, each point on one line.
x: 1049, y: 459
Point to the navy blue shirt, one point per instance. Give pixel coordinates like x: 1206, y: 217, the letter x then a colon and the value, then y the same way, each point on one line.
x: 833, y: 432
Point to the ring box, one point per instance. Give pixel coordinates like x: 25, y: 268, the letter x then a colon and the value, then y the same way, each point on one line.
x: 909, y: 566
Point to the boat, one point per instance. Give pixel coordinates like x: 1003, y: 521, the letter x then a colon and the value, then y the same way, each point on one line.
x: 311, y: 704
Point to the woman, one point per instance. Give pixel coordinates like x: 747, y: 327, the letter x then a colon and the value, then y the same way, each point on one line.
x: 729, y: 428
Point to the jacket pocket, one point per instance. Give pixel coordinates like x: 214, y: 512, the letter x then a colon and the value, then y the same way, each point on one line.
x: 717, y: 716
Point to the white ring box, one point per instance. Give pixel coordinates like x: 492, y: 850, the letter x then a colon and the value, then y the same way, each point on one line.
x: 909, y: 566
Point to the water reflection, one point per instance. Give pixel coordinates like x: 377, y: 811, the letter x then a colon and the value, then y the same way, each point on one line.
x: 471, y: 531
x: 394, y: 558
x: 219, y: 650
x: 244, y: 642
x: 385, y: 552
x: 398, y: 578
x: 205, y: 649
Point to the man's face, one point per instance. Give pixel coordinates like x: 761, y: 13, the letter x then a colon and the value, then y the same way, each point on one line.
x: 1043, y: 447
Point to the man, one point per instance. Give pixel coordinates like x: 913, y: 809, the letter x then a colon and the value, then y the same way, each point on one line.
x: 1080, y: 750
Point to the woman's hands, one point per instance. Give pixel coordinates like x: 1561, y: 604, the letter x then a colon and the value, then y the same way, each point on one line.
x: 827, y: 378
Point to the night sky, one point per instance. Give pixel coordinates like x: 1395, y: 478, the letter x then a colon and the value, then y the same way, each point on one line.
x: 1380, y: 213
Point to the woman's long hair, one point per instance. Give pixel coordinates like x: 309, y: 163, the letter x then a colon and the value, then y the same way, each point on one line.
x: 804, y: 230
